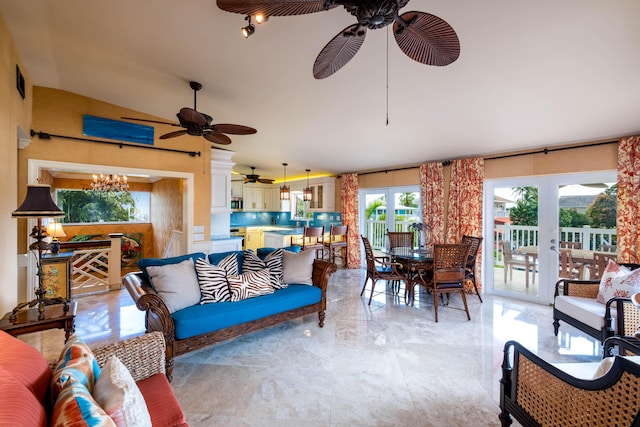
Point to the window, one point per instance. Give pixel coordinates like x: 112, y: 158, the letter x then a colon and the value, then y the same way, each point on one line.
x: 85, y: 206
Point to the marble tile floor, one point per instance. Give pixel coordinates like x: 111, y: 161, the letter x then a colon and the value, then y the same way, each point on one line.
x: 386, y: 364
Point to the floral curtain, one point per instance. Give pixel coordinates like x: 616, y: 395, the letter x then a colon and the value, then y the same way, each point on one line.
x: 465, y: 206
x: 628, y: 207
x: 350, y: 217
x: 432, y: 196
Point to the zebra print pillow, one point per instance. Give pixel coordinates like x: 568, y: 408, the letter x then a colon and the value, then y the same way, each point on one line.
x: 213, y: 282
x: 249, y: 285
x: 230, y: 264
x: 273, y: 261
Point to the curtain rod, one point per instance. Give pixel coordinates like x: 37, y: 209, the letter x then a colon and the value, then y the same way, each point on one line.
x: 506, y: 156
x: 45, y: 135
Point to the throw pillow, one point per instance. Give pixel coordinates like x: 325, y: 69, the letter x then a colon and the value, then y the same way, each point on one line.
x: 618, y: 281
x: 176, y: 284
x: 76, y: 363
x: 213, y: 282
x: 229, y: 263
x: 249, y: 285
x: 117, y: 393
x: 76, y: 407
x: 273, y: 262
x: 298, y: 267
x: 144, y: 263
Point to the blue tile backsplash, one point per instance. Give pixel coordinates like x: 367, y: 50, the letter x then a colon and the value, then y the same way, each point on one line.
x: 283, y: 219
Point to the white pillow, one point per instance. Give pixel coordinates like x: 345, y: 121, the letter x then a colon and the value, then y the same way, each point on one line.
x: 118, y: 394
x: 618, y: 281
x: 603, y: 367
x: 298, y: 267
x: 176, y: 284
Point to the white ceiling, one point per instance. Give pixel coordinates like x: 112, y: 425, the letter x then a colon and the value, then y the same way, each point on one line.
x: 531, y: 74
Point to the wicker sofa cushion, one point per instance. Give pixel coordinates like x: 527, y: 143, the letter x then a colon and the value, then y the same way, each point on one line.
x: 586, y: 310
x: 200, y: 319
x: 163, y: 406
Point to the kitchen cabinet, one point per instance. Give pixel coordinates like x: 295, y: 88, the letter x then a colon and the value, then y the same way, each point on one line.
x: 323, y: 192
x: 254, y: 238
x: 258, y: 197
x: 221, y: 183
x: 236, y: 189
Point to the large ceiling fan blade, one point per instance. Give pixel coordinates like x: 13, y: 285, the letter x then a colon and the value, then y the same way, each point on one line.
x: 150, y: 121
x: 217, y: 138
x: 190, y: 115
x: 173, y: 134
x: 274, y: 8
x: 265, y: 180
x: 339, y: 51
x: 426, y: 38
x: 233, y: 129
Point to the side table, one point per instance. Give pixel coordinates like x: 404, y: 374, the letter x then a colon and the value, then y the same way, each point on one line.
x: 54, y: 317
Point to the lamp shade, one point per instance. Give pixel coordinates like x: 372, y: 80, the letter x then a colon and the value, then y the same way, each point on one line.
x: 38, y: 204
x: 55, y: 230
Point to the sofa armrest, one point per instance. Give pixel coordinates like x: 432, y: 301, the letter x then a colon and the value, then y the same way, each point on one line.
x: 144, y: 355
x: 577, y: 288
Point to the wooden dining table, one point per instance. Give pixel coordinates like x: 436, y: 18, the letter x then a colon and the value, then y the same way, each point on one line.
x: 412, y: 260
x: 579, y: 256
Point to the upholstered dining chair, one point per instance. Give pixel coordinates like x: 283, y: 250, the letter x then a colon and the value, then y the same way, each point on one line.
x: 337, y: 243
x: 312, y: 239
x: 449, y: 262
x: 470, y: 268
x: 380, y: 268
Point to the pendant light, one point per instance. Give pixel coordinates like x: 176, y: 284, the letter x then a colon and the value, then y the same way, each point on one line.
x: 284, y: 190
x: 307, y: 194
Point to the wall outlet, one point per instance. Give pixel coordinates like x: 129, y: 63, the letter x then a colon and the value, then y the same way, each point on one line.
x: 198, y: 237
x: 253, y: 216
x: 198, y: 228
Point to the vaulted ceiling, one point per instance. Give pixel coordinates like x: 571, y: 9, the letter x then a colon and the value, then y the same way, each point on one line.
x: 530, y: 75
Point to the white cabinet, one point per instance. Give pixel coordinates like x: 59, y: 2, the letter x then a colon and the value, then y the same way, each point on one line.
x: 236, y: 189
x: 272, y: 199
x: 221, y: 181
x: 225, y: 245
x: 324, y: 199
x: 258, y: 197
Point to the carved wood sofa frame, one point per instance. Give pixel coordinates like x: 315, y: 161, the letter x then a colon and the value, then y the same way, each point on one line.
x: 159, y: 319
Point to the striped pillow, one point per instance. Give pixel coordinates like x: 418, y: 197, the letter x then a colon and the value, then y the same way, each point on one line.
x: 249, y: 285
x: 230, y: 264
x: 273, y: 261
x: 213, y: 282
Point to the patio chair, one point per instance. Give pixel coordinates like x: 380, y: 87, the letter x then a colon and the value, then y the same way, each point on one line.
x: 470, y: 268
x: 600, y: 261
x: 379, y: 268
x: 570, y: 245
x: 511, y: 261
x: 609, y: 248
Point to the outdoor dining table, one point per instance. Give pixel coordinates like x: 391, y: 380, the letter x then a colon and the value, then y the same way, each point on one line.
x: 412, y: 260
x: 579, y: 256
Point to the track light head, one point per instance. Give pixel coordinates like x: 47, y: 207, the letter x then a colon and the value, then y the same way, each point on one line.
x: 249, y: 29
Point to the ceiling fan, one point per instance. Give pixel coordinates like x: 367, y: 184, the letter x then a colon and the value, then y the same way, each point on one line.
x: 253, y: 178
x: 421, y: 36
x: 196, y: 123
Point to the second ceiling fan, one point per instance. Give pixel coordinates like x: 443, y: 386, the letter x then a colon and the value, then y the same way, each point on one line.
x: 421, y: 36
x: 196, y: 123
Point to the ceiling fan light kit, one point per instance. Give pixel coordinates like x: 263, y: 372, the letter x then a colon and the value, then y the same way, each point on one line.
x: 195, y: 123
x: 423, y: 37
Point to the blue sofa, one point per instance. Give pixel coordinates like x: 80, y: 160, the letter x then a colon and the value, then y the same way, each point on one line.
x: 199, y: 325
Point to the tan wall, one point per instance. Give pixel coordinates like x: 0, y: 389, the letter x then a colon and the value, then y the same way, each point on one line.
x: 14, y: 112
x: 59, y: 112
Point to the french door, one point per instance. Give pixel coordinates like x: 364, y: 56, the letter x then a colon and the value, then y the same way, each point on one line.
x: 523, y: 233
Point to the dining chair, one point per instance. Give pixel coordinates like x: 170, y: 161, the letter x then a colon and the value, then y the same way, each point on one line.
x: 568, y: 268
x: 337, y: 243
x: 312, y: 239
x: 380, y: 268
x: 511, y: 261
x: 570, y: 245
x: 609, y: 248
x: 449, y: 262
x: 470, y: 267
x: 400, y: 239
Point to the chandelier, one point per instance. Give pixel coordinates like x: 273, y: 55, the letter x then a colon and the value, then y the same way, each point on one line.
x: 109, y: 182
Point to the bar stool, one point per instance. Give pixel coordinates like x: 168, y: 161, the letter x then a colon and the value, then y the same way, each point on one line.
x: 312, y: 239
x: 337, y: 242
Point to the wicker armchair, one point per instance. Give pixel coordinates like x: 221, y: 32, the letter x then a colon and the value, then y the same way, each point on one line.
x: 575, y: 303
x: 536, y: 393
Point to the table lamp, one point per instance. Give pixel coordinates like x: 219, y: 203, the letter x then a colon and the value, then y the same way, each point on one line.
x: 55, y: 230
x: 38, y: 204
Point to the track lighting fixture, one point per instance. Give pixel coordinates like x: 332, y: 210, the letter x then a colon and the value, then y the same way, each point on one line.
x: 260, y: 18
x: 249, y: 29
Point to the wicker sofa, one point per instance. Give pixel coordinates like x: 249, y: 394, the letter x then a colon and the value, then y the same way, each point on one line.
x: 26, y: 380
x: 536, y: 393
x: 207, y: 324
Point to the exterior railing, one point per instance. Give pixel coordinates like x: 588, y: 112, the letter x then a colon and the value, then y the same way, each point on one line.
x: 376, y: 231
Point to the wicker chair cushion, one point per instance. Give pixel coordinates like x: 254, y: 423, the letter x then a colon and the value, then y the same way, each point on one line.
x: 20, y: 406
x: 586, y: 310
x: 165, y: 409
x: 200, y: 319
x: 618, y: 281
x: 26, y: 364
x: 117, y: 393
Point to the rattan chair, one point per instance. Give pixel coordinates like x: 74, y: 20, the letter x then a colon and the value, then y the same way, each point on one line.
x: 575, y: 303
x: 400, y: 239
x: 380, y: 268
x: 536, y: 393
x: 338, y: 235
x: 448, y: 277
x: 470, y: 268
